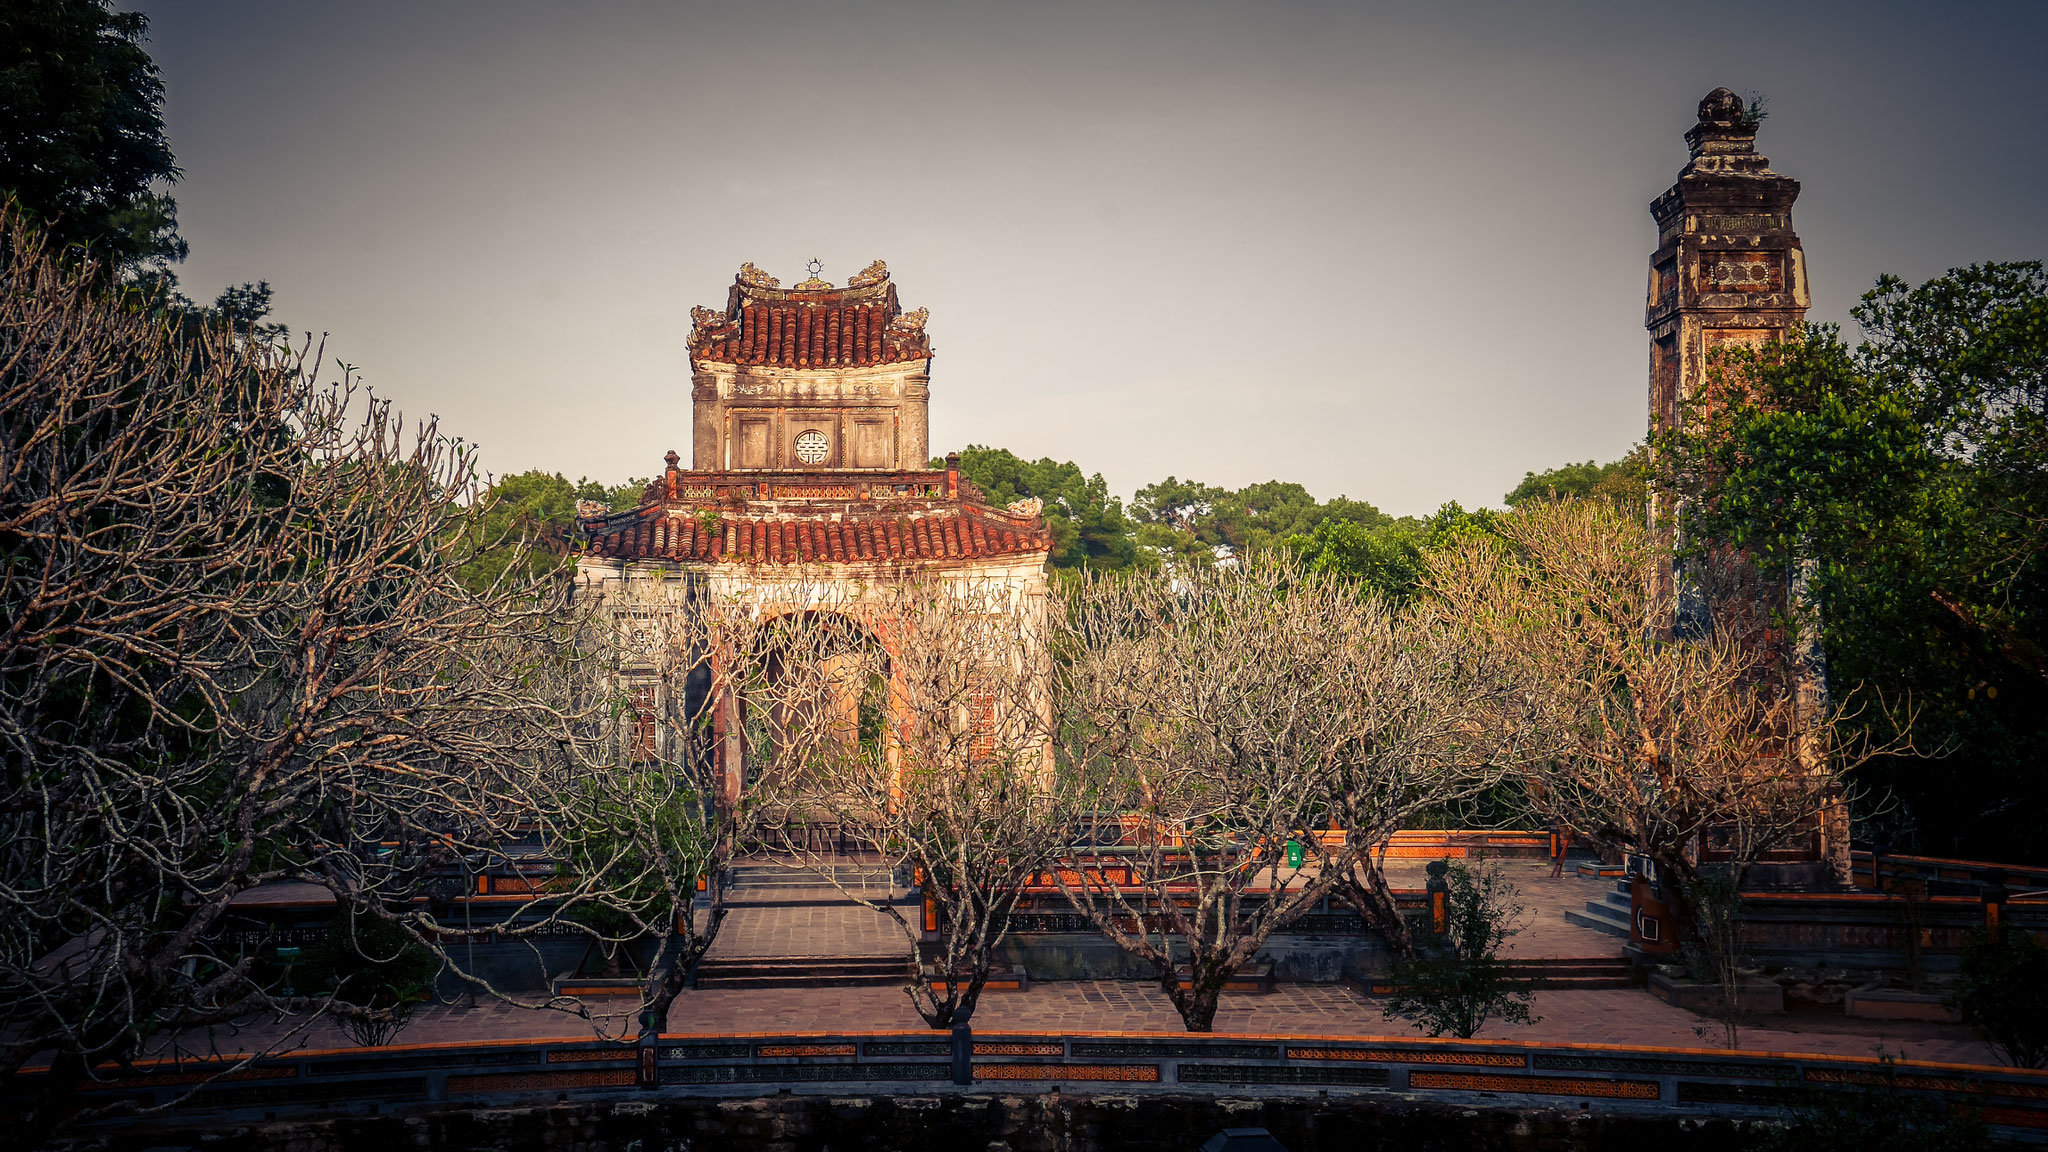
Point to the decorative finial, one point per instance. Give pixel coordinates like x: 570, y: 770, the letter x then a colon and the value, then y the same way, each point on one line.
x: 814, y: 267
x: 753, y: 277
x: 869, y: 276
x: 1721, y: 105
x: 1726, y: 128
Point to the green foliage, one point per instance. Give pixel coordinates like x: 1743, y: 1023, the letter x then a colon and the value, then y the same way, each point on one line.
x: 2001, y: 992
x: 1712, y: 952
x: 1386, y: 556
x: 535, y: 509
x: 617, y: 498
x: 530, y: 519
x: 1624, y: 480
x: 1187, y: 522
x: 651, y: 837
x: 1088, y: 525
x: 1456, y: 987
x: 83, y: 153
x: 1188, y: 518
x: 372, y: 965
x: 1757, y: 110
x: 1913, y: 469
x: 242, y: 309
x: 81, y: 129
x: 1887, y: 1116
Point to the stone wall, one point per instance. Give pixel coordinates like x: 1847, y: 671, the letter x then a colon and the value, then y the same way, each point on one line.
x: 1052, y: 1122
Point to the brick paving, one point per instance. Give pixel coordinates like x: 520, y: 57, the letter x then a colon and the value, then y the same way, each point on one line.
x: 1621, y: 1016
x: 1618, y: 1016
x: 1543, y: 931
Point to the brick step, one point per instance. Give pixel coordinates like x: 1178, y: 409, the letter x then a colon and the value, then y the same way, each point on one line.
x: 1593, y: 870
x: 1601, y: 917
x: 1001, y: 978
x: 774, y: 876
x: 1570, y: 964
x: 810, y: 897
x: 1583, y: 972
x: 804, y: 972
x: 1579, y: 983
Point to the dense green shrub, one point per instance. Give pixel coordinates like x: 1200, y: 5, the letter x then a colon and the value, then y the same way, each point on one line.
x: 1458, y: 984
x: 2002, y: 994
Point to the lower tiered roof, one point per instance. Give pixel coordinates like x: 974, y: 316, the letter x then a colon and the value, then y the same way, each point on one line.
x: 929, y: 516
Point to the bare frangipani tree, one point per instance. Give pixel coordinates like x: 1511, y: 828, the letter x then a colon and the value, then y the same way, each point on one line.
x: 691, y: 682
x: 233, y: 651
x: 931, y: 696
x: 1640, y: 742
x: 1422, y: 734
x: 1216, y: 715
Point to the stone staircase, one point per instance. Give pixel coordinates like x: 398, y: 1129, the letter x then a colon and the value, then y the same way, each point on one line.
x: 1608, y: 914
x: 800, y: 927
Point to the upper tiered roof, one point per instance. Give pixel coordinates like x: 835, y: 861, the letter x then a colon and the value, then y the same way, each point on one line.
x: 868, y: 516
x: 810, y: 325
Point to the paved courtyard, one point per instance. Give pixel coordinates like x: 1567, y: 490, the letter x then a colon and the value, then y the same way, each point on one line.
x: 1543, y: 931
x: 782, y: 925
x: 820, y: 922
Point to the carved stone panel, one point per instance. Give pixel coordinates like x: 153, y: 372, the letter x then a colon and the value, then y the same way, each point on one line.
x: 1741, y: 272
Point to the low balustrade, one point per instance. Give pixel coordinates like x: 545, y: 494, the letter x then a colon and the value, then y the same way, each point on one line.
x: 1874, y: 930
x: 1942, y: 876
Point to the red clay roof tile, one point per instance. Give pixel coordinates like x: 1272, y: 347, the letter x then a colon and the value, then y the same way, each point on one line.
x: 809, y: 326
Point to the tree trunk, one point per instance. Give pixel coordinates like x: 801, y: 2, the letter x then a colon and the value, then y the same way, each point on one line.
x: 1364, y: 890
x: 1198, y: 1004
x: 54, y: 1101
x: 1675, y: 876
x: 670, y: 982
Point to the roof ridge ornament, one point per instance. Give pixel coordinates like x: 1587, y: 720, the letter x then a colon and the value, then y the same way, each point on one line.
x: 753, y: 277
x: 709, y: 327
x: 814, y: 283
x: 868, y: 277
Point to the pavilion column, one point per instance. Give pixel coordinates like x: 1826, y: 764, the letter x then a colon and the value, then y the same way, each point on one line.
x: 727, y: 732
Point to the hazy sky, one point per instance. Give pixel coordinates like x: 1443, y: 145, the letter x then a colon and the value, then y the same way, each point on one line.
x: 1395, y: 252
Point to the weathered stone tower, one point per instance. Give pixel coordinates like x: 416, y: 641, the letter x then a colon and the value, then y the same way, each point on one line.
x: 1728, y: 267
x: 1729, y: 270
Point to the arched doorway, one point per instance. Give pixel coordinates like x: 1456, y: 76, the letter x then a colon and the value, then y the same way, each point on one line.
x: 815, y: 708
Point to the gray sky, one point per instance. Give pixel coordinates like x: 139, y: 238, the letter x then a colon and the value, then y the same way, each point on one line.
x: 1395, y: 252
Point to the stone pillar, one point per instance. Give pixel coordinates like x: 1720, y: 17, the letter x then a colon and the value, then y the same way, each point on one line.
x: 1728, y: 270
x: 707, y: 424
x: 913, y: 447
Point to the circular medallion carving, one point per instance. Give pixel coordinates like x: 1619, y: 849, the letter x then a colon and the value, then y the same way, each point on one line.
x: 812, y: 447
